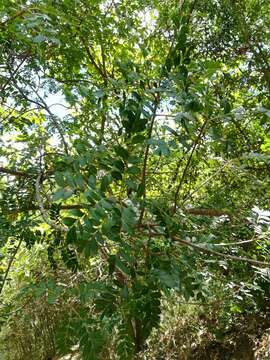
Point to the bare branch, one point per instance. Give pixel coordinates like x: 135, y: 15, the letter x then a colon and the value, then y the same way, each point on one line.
x: 7, y: 171
x: 194, y: 147
x: 44, y: 213
x: 236, y: 243
x: 11, y: 260
x: 42, y: 104
x: 98, y: 67
x: 207, y: 180
x: 207, y: 212
x: 204, y: 250
x: 143, y: 178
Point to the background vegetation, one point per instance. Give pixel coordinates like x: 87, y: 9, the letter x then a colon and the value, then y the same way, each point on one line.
x: 134, y: 177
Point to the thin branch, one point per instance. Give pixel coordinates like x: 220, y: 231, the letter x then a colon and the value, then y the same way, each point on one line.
x: 236, y: 243
x: 194, y: 147
x: 146, y: 154
x: 43, y: 212
x: 17, y: 15
x: 11, y: 260
x: 193, y: 211
x: 206, y: 181
x: 14, y: 74
x: 14, y: 118
x: 53, y: 118
x: 18, y: 173
x: 45, y: 206
x: 207, y: 212
x: 103, y: 56
x: 212, y: 252
x: 92, y: 59
x: 70, y: 81
x: 42, y: 104
x: 202, y: 248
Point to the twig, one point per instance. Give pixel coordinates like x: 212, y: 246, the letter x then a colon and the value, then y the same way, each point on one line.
x: 19, y: 173
x: 188, y: 163
x: 44, y: 213
x: 17, y: 15
x: 236, y: 243
x: 146, y: 154
x: 42, y: 104
x: 202, y: 248
x: 212, y: 252
x: 53, y: 118
x: 92, y: 59
x: 9, y: 266
x: 207, y: 212
x: 206, y: 181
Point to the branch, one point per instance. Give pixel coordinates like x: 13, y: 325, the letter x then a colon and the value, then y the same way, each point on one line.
x: 236, y: 243
x: 207, y: 212
x: 44, y: 213
x: 212, y: 252
x: 17, y: 15
x: 203, y: 249
x: 193, y: 211
x: 14, y: 74
x: 4, y: 170
x: 206, y: 181
x: 46, y: 207
x: 42, y: 104
x: 188, y: 163
x: 53, y: 118
x: 143, y: 179
x: 92, y: 59
x: 9, y: 266
x: 25, y: 174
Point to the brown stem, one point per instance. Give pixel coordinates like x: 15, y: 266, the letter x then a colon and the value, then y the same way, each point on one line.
x: 42, y: 104
x: 146, y: 154
x: 207, y: 212
x: 17, y: 15
x: 193, y: 211
x: 203, y: 249
x: 9, y: 266
x: 18, y: 173
x: 226, y: 256
x: 92, y: 59
x: 196, y: 143
x: 42, y: 209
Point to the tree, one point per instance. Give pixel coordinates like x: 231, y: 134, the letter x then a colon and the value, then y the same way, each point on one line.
x: 135, y: 149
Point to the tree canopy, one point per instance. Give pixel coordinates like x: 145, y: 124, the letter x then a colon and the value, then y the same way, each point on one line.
x: 134, y: 163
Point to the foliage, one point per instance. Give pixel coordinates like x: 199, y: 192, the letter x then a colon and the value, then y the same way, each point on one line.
x: 134, y: 163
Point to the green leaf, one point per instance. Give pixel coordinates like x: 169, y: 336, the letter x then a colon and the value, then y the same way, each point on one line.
x: 76, y: 212
x: 122, y: 152
x: 128, y: 219
x: 119, y: 165
x: 59, y: 178
x: 91, y: 248
x: 62, y: 194
x: 39, y: 39
x: 138, y: 139
x: 79, y: 181
x: 92, y: 181
x: 134, y: 170
x: 71, y: 236
x: 121, y: 265
x: 69, y: 221
x: 116, y: 175
x: 141, y: 190
x: 105, y: 182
